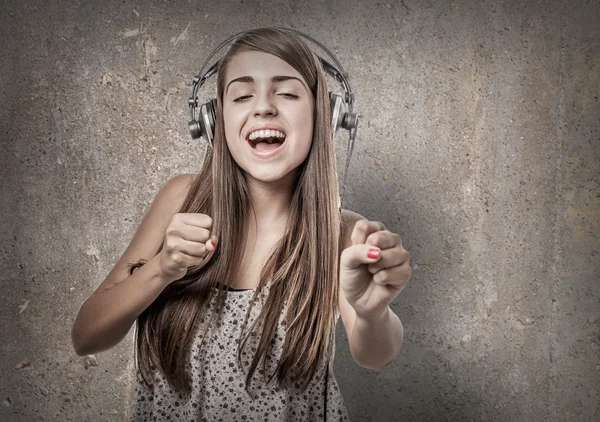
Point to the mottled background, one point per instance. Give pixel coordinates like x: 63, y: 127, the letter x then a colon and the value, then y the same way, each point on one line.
x: 479, y: 143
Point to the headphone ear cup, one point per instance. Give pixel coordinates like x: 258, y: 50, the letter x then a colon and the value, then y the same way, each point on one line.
x: 195, y: 129
x: 205, y: 125
x: 338, y: 111
x: 212, y: 118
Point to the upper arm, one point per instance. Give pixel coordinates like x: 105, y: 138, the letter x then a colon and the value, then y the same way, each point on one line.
x: 150, y: 233
x: 347, y: 312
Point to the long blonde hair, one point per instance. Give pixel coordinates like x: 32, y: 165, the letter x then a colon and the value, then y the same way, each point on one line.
x: 303, y: 270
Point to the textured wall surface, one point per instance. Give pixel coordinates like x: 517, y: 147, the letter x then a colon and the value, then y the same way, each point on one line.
x: 479, y: 143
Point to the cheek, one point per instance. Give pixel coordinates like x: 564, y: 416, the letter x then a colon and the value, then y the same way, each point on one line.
x: 304, y: 122
x: 232, y: 129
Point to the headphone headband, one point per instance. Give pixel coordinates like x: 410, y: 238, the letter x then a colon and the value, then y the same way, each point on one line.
x: 340, y: 76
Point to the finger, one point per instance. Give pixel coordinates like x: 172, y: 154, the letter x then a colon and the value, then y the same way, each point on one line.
x: 195, y: 234
x: 211, y: 244
x: 363, y: 228
x: 356, y: 255
x: 390, y: 258
x: 383, y: 239
x: 196, y: 219
x: 195, y: 249
x: 395, y: 277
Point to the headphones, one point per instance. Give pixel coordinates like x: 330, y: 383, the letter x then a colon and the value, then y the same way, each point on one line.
x: 342, y: 115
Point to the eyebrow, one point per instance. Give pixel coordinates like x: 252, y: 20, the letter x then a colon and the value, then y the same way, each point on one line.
x: 250, y: 79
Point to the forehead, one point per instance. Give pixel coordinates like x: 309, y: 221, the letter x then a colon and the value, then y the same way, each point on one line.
x: 260, y: 66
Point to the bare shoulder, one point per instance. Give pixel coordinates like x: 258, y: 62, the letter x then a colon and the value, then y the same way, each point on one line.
x: 180, y: 183
x: 170, y: 198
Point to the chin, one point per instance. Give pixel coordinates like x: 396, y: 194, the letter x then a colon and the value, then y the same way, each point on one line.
x: 272, y: 176
x: 267, y: 178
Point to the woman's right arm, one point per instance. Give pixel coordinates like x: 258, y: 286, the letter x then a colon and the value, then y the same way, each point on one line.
x: 108, y: 314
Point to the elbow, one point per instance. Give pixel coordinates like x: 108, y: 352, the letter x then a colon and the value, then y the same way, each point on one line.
x: 81, y: 347
x: 88, y: 340
x: 387, y: 364
x: 77, y: 342
x: 374, y: 367
x: 371, y: 367
x: 80, y: 352
x: 379, y: 364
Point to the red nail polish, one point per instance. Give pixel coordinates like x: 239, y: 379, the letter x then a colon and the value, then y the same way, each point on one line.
x: 213, y: 243
x: 373, y: 253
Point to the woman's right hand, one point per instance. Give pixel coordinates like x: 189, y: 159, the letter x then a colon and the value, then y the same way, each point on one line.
x: 187, y: 241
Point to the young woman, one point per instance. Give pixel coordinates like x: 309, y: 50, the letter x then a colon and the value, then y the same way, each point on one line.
x: 236, y: 276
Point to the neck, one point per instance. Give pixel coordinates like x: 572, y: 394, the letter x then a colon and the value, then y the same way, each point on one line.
x: 271, y: 204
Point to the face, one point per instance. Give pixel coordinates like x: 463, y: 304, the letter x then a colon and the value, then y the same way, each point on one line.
x: 257, y: 100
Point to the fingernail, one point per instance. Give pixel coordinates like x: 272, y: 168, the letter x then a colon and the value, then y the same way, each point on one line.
x: 213, y: 243
x: 373, y: 253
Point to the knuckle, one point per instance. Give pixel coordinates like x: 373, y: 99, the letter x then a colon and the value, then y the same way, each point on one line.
x: 382, y: 276
x: 177, y: 259
x: 208, y: 220
x: 169, y: 246
x: 361, y: 224
x: 373, y: 237
x: 171, y: 230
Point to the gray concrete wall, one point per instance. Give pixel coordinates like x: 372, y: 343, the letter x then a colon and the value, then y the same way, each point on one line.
x: 479, y: 143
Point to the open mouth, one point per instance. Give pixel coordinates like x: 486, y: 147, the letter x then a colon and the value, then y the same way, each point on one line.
x: 267, y: 143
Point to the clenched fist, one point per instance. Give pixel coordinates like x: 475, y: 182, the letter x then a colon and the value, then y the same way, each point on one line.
x: 188, y: 240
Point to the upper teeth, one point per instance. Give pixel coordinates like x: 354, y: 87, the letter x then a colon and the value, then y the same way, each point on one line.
x: 269, y: 133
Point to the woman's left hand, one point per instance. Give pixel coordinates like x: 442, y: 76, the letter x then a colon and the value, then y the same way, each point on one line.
x: 371, y: 284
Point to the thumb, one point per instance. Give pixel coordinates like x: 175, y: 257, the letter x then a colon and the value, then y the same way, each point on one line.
x: 211, y: 244
x: 356, y: 255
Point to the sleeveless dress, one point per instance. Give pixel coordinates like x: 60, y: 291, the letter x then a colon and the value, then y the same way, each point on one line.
x: 218, y: 385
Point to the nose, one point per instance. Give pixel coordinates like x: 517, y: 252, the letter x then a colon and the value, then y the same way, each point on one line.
x: 264, y: 105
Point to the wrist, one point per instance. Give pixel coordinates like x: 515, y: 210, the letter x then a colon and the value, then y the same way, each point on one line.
x: 374, y: 317
x: 157, y: 271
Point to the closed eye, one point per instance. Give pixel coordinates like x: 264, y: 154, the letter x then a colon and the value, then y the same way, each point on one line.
x: 239, y: 99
